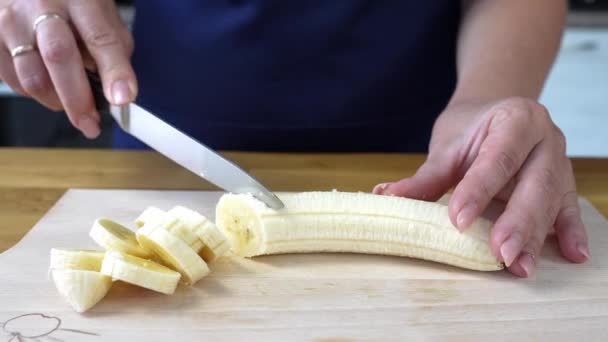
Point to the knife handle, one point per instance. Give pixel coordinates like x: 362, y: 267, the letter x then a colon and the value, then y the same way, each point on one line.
x: 101, y: 104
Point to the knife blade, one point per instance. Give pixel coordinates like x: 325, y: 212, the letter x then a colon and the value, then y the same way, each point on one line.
x: 182, y: 149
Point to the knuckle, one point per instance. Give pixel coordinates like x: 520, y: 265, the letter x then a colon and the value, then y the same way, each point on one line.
x: 7, y: 17
x: 523, y: 109
x: 525, y: 225
x: 484, y: 191
x: 507, y: 164
x: 129, y: 42
x: 56, y: 50
x: 534, y: 245
x: 99, y: 37
x: 35, y: 85
x: 560, y: 140
x: 513, y: 109
x: 547, y: 182
x: 541, y: 113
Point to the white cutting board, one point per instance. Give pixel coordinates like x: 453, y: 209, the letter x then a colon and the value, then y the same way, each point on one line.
x: 323, y: 297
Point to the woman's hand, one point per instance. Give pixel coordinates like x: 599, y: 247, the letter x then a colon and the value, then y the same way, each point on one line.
x: 69, y: 35
x: 511, y: 151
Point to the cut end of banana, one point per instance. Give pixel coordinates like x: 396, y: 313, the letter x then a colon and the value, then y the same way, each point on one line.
x: 76, y: 259
x: 238, y: 217
x: 113, y: 236
x: 174, y: 252
x: 355, y: 223
x: 141, y: 272
x: 81, y: 289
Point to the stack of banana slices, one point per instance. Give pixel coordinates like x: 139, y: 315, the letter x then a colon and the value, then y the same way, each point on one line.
x: 168, y: 247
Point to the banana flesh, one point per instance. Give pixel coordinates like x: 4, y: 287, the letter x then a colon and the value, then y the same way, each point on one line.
x: 172, y: 223
x: 78, y: 259
x: 77, y: 278
x: 175, y: 239
x: 150, y: 214
x: 141, y: 272
x: 113, y: 236
x: 173, y: 252
x: 213, y: 241
x: 356, y: 223
x: 82, y: 289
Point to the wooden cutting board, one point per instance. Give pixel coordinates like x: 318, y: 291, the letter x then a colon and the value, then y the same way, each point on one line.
x: 323, y: 297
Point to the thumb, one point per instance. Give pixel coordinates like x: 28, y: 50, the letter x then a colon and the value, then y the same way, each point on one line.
x: 431, y: 181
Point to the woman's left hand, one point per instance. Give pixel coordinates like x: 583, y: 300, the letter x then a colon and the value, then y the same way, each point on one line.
x: 508, y: 150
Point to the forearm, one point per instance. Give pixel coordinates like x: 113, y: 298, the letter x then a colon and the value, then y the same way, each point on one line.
x: 506, y: 48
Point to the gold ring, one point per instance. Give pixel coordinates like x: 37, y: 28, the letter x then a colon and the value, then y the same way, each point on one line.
x: 22, y: 49
x: 46, y: 16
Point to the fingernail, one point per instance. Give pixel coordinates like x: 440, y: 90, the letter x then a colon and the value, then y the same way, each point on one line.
x: 584, y: 250
x: 466, y: 216
x: 121, y: 92
x: 511, y: 248
x: 379, y: 189
x: 527, y: 263
x: 89, y: 127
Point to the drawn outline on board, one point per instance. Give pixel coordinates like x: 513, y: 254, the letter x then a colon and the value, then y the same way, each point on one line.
x: 22, y: 336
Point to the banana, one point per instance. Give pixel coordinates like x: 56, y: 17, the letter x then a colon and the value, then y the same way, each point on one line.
x: 78, y: 259
x: 77, y: 278
x: 214, y: 242
x: 150, y: 214
x: 174, y: 252
x: 354, y: 222
x: 113, y: 236
x: 82, y: 289
x: 140, y: 272
x: 176, y: 226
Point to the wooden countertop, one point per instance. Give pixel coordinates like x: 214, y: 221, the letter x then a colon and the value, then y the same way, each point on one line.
x: 31, y: 180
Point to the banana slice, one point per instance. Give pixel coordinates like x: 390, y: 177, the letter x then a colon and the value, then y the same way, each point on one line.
x: 174, y: 252
x: 140, y: 272
x: 77, y: 278
x: 150, y: 215
x: 76, y: 259
x: 82, y: 289
x: 113, y: 236
x: 173, y: 224
x: 214, y: 242
x: 356, y: 223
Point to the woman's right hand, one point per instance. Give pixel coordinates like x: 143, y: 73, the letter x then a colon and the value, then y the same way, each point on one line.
x: 89, y: 33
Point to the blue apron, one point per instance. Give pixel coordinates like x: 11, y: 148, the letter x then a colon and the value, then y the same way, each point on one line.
x: 316, y: 75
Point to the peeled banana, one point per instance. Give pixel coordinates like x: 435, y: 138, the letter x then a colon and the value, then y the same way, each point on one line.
x: 353, y: 222
x: 140, y: 272
x: 174, y: 252
x: 113, y: 236
x: 77, y: 278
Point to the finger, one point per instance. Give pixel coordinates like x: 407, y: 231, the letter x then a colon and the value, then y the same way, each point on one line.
x: 569, y: 227
x: 7, y: 70
x: 103, y: 39
x: 505, y: 193
x: 431, y: 181
x: 502, y: 153
x: 62, y: 59
x: 525, y: 265
x: 29, y: 68
x: 533, y: 206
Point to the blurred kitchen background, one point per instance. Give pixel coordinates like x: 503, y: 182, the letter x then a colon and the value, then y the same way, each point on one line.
x: 576, y: 93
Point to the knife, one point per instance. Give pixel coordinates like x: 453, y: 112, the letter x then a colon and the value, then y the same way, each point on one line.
x: 182, y: 149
